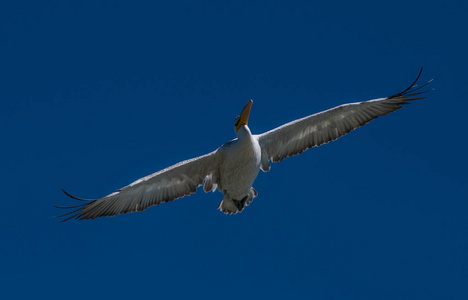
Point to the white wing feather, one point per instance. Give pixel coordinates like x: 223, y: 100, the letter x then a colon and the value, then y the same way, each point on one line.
x: 297, y: 136
x: 179, y: 180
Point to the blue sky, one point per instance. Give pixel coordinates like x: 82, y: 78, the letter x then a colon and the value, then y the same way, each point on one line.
x: 97, y: 94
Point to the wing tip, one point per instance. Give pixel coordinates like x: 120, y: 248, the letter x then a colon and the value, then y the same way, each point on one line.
x: 413, y: 90
x: 76, y: 198
x: 77, y: 209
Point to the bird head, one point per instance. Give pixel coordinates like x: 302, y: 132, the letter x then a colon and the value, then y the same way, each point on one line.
x: 243, y: 118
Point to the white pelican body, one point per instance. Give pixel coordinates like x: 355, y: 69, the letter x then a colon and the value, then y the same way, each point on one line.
x: 238, y: 167
x: 233, y: 167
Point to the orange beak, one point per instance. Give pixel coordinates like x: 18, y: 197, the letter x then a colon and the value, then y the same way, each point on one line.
x: 244, y: 116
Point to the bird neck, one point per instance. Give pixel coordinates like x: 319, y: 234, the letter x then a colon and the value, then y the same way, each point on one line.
x: 243, y: 132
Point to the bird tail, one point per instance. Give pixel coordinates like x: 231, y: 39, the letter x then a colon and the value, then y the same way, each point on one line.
x: 232, y: 206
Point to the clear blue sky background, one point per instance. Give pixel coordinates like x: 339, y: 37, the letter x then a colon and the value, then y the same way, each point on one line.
x: 97, y: 94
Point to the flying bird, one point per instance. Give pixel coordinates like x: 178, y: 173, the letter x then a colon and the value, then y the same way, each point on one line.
x: 233, y: 167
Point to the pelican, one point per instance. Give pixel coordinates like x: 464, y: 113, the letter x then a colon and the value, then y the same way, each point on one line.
x: 233, y: 167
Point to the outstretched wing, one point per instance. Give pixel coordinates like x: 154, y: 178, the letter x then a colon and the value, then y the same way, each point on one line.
x: 299, y: 135
x: 179, y: 180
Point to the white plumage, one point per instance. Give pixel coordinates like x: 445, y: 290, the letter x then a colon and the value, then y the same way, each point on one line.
x: 233, y: 167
